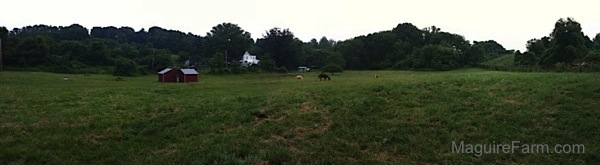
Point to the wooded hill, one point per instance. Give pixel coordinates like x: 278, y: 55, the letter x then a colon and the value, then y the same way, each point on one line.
x: 75, y: 49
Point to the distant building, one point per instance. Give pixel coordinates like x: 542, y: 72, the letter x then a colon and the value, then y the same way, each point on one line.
x: 188, y: 75
x: 248, y: 60
x: 167, y: 75
x: 182, y: 75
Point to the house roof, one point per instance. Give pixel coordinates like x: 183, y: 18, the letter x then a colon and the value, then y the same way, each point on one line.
x: 248, y: 54
x: 165, y: 71
x: 189, y: 71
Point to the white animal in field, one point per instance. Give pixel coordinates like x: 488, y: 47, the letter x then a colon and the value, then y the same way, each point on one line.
x: 299, y: 77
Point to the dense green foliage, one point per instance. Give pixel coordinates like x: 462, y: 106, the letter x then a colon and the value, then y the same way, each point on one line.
x: 71, y: 49
x: 125, y: 67
x: 402, y: 117
x: 333, y: 69
x: 407, y: 47
x: 282, y: 46
x: 229, y: 39
x: 492, y: 49
x: 565, y: 47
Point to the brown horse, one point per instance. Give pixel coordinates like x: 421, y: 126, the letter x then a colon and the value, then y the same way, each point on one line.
x: 324, y: 76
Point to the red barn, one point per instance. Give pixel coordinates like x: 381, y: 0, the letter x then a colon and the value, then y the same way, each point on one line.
x: 188, y: 75
x: 167, y: 75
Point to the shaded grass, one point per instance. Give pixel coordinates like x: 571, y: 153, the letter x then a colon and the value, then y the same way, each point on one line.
x: 507, y: 60
x: 401, y: 117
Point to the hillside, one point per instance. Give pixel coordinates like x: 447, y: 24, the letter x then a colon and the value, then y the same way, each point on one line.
x: 504, y: 60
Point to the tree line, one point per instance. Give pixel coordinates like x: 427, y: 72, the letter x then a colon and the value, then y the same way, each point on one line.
x: 75, y: 49
x: 566, y: 46
x: 403, y: 47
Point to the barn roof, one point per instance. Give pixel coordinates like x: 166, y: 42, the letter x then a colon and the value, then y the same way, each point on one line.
x: 189, y: 71
x: 165, y: 71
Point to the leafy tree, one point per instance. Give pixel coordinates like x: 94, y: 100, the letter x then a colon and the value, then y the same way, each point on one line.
x: 140, y: 37
x: 217, y: 62
x: 283, y: 47
x: 65, y: 64
x: 399, y: 48
x: 332, y: 69
x: 475, y: 54
x: 73, y: 32
x: 492, y: 49
x: 3, y: 33
x: 229, y: 39
x: 159, y: 60
x: 125, y: 67
x: 354, y: 52
x: 99, y: 54
x: 313, y: 44
x: 450, y: 40
x: 410, y: 33
x: 380, y: 46
x: 436, y: 57
x: 36, y: 30
x: 35, y: 51
x: 182, y: 57
x: 538, y: 46
x: 322, y: 57
x: 518, y: 57
x: 567, y: 43
x: 3, y: 37
x: 110, y: 32
x: 593, y: 56
x: 236, y: 68
x: 172, y: 40
x: 334, y: 58
x: 596, y: 42
x: 527, y: 58
x: 10, y: 51
x: 325, y: 43
x: 71, y: 48
x: 125, y: 34
x: 75, y: 50
x: 267, y: 63
x: 128, y: 51
x: 445, y: 58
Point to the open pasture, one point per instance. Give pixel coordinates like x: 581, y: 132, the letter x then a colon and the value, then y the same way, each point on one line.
x: 401, y: 117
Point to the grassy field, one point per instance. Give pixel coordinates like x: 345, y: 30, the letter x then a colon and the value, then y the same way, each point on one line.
x: 505, y: 60
x: 399, y: 118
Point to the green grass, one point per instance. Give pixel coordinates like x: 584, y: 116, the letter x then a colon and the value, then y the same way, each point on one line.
x: 399, y: 118
x: 505, y: 60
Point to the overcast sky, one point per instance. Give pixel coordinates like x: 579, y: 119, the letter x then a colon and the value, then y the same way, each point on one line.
x: 510, y: 22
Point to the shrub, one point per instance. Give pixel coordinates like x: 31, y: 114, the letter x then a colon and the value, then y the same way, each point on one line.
x: 593, y: 56
x: 282, y: 70
x: 332, y: 69
x: 125, y: 67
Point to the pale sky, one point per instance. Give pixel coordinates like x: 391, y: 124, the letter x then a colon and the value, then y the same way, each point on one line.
x: 509, y: 22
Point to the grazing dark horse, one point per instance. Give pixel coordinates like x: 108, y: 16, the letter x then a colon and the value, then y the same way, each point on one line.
x: 324, y: 76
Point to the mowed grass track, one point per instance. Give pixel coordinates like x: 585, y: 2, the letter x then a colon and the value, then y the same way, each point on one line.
x: 401, y: 117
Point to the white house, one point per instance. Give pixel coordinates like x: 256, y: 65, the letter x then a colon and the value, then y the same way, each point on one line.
x: 248, y: 60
